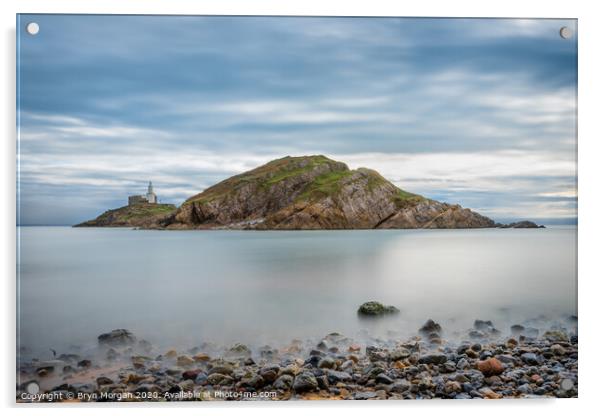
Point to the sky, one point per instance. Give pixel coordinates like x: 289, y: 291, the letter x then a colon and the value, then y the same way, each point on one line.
x: 480, y: 112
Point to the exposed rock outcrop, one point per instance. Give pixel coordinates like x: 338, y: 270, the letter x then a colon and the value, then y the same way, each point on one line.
x: 314, y: 192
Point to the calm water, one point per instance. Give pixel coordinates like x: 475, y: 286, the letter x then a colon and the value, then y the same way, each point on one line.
x: 179, y: 288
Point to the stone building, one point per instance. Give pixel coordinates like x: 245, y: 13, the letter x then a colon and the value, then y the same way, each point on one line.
x: 149, y: 198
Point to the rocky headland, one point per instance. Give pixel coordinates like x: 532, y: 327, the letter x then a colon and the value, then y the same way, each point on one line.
x: 304, y: 193
x: 139, y: 215
x: 481, y: 362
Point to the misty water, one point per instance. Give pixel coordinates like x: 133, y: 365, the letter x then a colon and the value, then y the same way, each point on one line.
x: 181, y: 288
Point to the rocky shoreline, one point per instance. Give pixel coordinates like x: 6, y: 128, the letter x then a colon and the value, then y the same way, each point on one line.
x: 483, y: 364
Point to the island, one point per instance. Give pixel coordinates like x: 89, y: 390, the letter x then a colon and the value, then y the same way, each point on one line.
x: 299, y: 193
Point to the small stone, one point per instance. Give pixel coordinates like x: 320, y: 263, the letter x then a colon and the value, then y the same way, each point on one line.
x: 338, y: 376
x: 191, y: 374
x: 270, y: 373
x: 400, y: 386
x: 284, y: 382
x: 239, y: 350
x: 117, y: 337
x: 365, y: 395
x: 304, y: 382
x: 255, y: 381
x: 490, y: 367
x: 102, y: 380
x: 171, y: 354
x: 201, y: 357
x: 482, y: 325
x: 453, y: 387
x: 430, y: 327
x: 221, y: 369
x: 524, y: 389
x: 489, y: 394
x: 184, y: 360
x: 470, y: 353
x: 201, y: 378
x: 433, y: 359
x: 530, y: 358
x: 517, y: 329
x: 217, y: 379
x: 186, y: 385
x: 354, y: 348
x: 327, y: 362
x: 558, y: 349
x: 556, y: 336
x: 84, y: 364
x: 382, y: 378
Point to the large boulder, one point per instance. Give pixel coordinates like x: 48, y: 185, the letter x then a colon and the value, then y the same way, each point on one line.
x: 117, y: 338
x: 374, y: 308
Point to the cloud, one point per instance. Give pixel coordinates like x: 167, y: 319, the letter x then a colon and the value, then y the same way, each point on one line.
x: 480, y: 112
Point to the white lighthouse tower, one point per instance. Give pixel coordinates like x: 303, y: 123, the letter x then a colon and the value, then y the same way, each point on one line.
x: 151, y: 197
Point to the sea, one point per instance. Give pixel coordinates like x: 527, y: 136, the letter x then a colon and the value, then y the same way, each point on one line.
x: 179, y: 289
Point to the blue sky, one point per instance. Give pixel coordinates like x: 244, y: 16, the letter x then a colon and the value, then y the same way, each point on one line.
x: 479, y: 112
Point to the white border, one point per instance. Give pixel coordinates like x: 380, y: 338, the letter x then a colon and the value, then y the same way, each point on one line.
x: 590, y: 190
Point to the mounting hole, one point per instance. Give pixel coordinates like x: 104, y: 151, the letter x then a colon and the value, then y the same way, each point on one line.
x: 33, y: 28
x: 566, y: 32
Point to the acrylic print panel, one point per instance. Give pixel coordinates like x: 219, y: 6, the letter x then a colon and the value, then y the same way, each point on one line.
x: 275, y: 208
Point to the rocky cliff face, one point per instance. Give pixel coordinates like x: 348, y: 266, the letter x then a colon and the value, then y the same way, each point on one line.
x: 314, y: 192
x: 139, y: 215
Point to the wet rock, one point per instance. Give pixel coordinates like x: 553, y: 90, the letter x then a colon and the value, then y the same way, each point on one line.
x: 336, y: 376
x: 474, y: 334
x: 327, y: 362
x: 400, y: 386
x: 239, y: 350
x: 201, y: 378
x: 376, y: 353
x: 558, y: 350
x: 84, y: 364
x: 365, y: 395
x: 430, y: 327
x: 433, y: 359
x: 490, y: 367
x: 201, y: 357
x: 374, y: 308
x: 382, y: 378
x: 555, y: 336
x: 270, y: 373
x: 221, y: 369
x: 517, y: 329
x: 323, y: 383
x: 102, y: 380
x: 480, y: 325
x: 184, y: 361
x: 218, y: 379
x: 524, y: 389
x: 284, y: 382
x: 117, y: 337
x: 305, y: 381
x: 489, y: 394
x: 530, y: 358
x: 255, y: 381
x: 506, y: 358
x: 399, y: 354
x: 191, y: 374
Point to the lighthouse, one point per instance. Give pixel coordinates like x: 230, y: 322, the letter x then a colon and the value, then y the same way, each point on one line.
x: 151, y: 197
